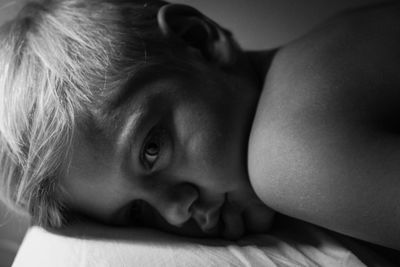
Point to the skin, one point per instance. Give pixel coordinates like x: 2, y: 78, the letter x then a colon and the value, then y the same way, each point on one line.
x: 327, y: 125
x: 309, y: 131
x: 172, y: 155
x: 196, y: 185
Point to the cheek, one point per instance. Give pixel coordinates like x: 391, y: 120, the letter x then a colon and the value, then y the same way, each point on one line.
x: 202, y: 134
x: 207, y: 142
x: 208, y: 157
x: 206, y: 149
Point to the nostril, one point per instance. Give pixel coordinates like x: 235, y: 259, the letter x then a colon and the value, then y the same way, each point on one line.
x: 187, y: 195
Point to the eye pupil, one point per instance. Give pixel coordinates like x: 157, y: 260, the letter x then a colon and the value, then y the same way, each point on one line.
x: 152, y: 149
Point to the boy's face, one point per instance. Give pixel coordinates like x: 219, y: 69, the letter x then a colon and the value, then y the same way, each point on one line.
x: 173, y: 158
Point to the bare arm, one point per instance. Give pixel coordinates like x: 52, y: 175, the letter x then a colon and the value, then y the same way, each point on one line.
x: 325, y: 144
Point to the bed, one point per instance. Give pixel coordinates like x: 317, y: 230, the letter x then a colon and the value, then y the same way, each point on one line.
x: 291, y: 244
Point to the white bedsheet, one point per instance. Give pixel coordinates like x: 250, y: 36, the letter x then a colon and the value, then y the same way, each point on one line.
x: 305, y: 246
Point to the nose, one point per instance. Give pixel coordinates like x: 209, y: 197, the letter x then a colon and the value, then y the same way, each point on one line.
x: 175, y: 206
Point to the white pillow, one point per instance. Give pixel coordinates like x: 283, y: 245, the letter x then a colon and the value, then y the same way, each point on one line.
x: 96, y: 245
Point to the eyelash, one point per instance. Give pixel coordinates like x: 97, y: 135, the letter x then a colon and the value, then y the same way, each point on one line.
x: 155, y: 137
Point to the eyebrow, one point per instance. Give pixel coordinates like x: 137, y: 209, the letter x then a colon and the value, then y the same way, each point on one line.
x: 129, y: 133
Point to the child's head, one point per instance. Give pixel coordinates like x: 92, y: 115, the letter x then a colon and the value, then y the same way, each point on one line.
x: 107, y: 104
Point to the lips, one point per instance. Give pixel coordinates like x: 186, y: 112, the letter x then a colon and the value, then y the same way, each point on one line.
x: 233, y: 226
x: 224, y: 219
x: 212, y: 220
x: 208, y: 218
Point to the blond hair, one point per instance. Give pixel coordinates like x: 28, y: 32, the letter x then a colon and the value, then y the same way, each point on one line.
x: 56, y: 59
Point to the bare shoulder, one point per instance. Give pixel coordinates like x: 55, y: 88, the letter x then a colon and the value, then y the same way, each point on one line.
x: 325, y: 142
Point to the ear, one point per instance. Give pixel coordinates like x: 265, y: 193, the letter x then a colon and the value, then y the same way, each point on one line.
x: 199, y: 32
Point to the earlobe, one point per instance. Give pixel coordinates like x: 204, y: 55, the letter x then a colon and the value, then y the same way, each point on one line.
x: 197, y: 31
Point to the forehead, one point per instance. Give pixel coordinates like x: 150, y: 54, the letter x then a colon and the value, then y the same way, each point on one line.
x: 92, y: 181
x: 151, y: 88
x: 88, y: 175
x: 117, y: 99
x: 145, y: 77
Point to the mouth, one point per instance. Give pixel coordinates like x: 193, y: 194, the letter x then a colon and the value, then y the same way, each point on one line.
x: 212, y: 224
x: 231, y: 220
x: 227, y: 221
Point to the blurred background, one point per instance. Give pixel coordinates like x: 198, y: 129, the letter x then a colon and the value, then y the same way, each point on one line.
x: 257, y: 24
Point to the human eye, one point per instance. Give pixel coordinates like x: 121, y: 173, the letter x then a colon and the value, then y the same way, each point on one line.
x: 152, y: 148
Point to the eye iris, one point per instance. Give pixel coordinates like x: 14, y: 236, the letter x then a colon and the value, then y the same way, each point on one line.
x: 152, y: 149
x: 151, y: 153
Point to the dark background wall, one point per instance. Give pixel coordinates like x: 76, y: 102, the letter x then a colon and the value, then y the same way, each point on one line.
x: 268, y: 23
x: 257, y: 24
